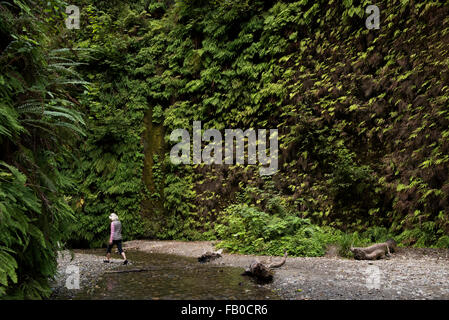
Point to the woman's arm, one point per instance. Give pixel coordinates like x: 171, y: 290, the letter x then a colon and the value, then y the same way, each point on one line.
x: 112, y: 232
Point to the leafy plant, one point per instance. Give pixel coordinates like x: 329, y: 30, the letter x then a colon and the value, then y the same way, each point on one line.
x: 38, y: 127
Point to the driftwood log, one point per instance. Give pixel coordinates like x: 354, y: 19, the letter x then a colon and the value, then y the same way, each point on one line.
x: 374, y: 252
x: 261, y: 272
x: 129, y: 270
x: 209, y: 256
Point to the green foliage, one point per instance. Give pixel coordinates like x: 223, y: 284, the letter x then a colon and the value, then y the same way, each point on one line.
x: 427, y: 235
x: 247, y: 230
x: 362, y: 114
x: 110, y: 164
x: 348, y: 240
x: 178, y: 195
x: 110, y: 161
x: 38, y: 125
x: 443, y: 242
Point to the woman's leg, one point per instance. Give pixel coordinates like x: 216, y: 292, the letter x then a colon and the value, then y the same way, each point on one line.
x: 108, y: 252
x: 120, y: 250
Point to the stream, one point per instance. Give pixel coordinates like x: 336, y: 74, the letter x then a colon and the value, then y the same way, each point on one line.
x: 172, y: 277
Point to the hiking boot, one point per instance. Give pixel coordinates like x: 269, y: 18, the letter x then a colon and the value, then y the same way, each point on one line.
x: 125, y: 262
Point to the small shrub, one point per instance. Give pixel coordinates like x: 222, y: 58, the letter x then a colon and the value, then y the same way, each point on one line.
x: 348, y: 240
x: 443, y: 242
x: 246, y: 229
x: 424, y: 236
x: 377, y: 234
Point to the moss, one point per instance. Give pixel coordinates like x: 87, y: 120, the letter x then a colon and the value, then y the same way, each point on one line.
x: 153, y: 142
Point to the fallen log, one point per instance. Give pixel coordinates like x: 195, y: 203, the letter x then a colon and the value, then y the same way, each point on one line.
x: 209, y: 256
x: 261, y: 272
x: 129, y: 270
x: 374, y: 252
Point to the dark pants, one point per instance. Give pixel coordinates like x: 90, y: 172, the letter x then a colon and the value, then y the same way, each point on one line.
x: 119, y: 246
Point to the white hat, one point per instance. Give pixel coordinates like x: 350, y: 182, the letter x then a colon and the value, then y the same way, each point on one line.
x: 113, y: 216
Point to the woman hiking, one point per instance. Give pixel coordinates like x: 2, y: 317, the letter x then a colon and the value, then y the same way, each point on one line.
x: 115, y: 238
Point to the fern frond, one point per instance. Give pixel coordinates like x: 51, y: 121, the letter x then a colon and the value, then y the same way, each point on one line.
x: 61, y: 68
x: 66, y: 81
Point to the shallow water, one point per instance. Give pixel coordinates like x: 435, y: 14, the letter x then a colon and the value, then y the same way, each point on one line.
x: 174, y: 277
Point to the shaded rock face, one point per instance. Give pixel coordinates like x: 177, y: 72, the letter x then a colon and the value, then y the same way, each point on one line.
x: 153, y: 143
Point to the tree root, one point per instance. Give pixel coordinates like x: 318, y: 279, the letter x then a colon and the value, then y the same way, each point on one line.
x: 261, y: 272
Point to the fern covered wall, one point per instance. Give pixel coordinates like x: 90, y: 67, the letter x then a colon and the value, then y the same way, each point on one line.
x: 362, y: 114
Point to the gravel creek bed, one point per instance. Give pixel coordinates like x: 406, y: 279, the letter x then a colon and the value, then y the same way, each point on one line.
x: 410, y: 273
x: 91, y: 268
